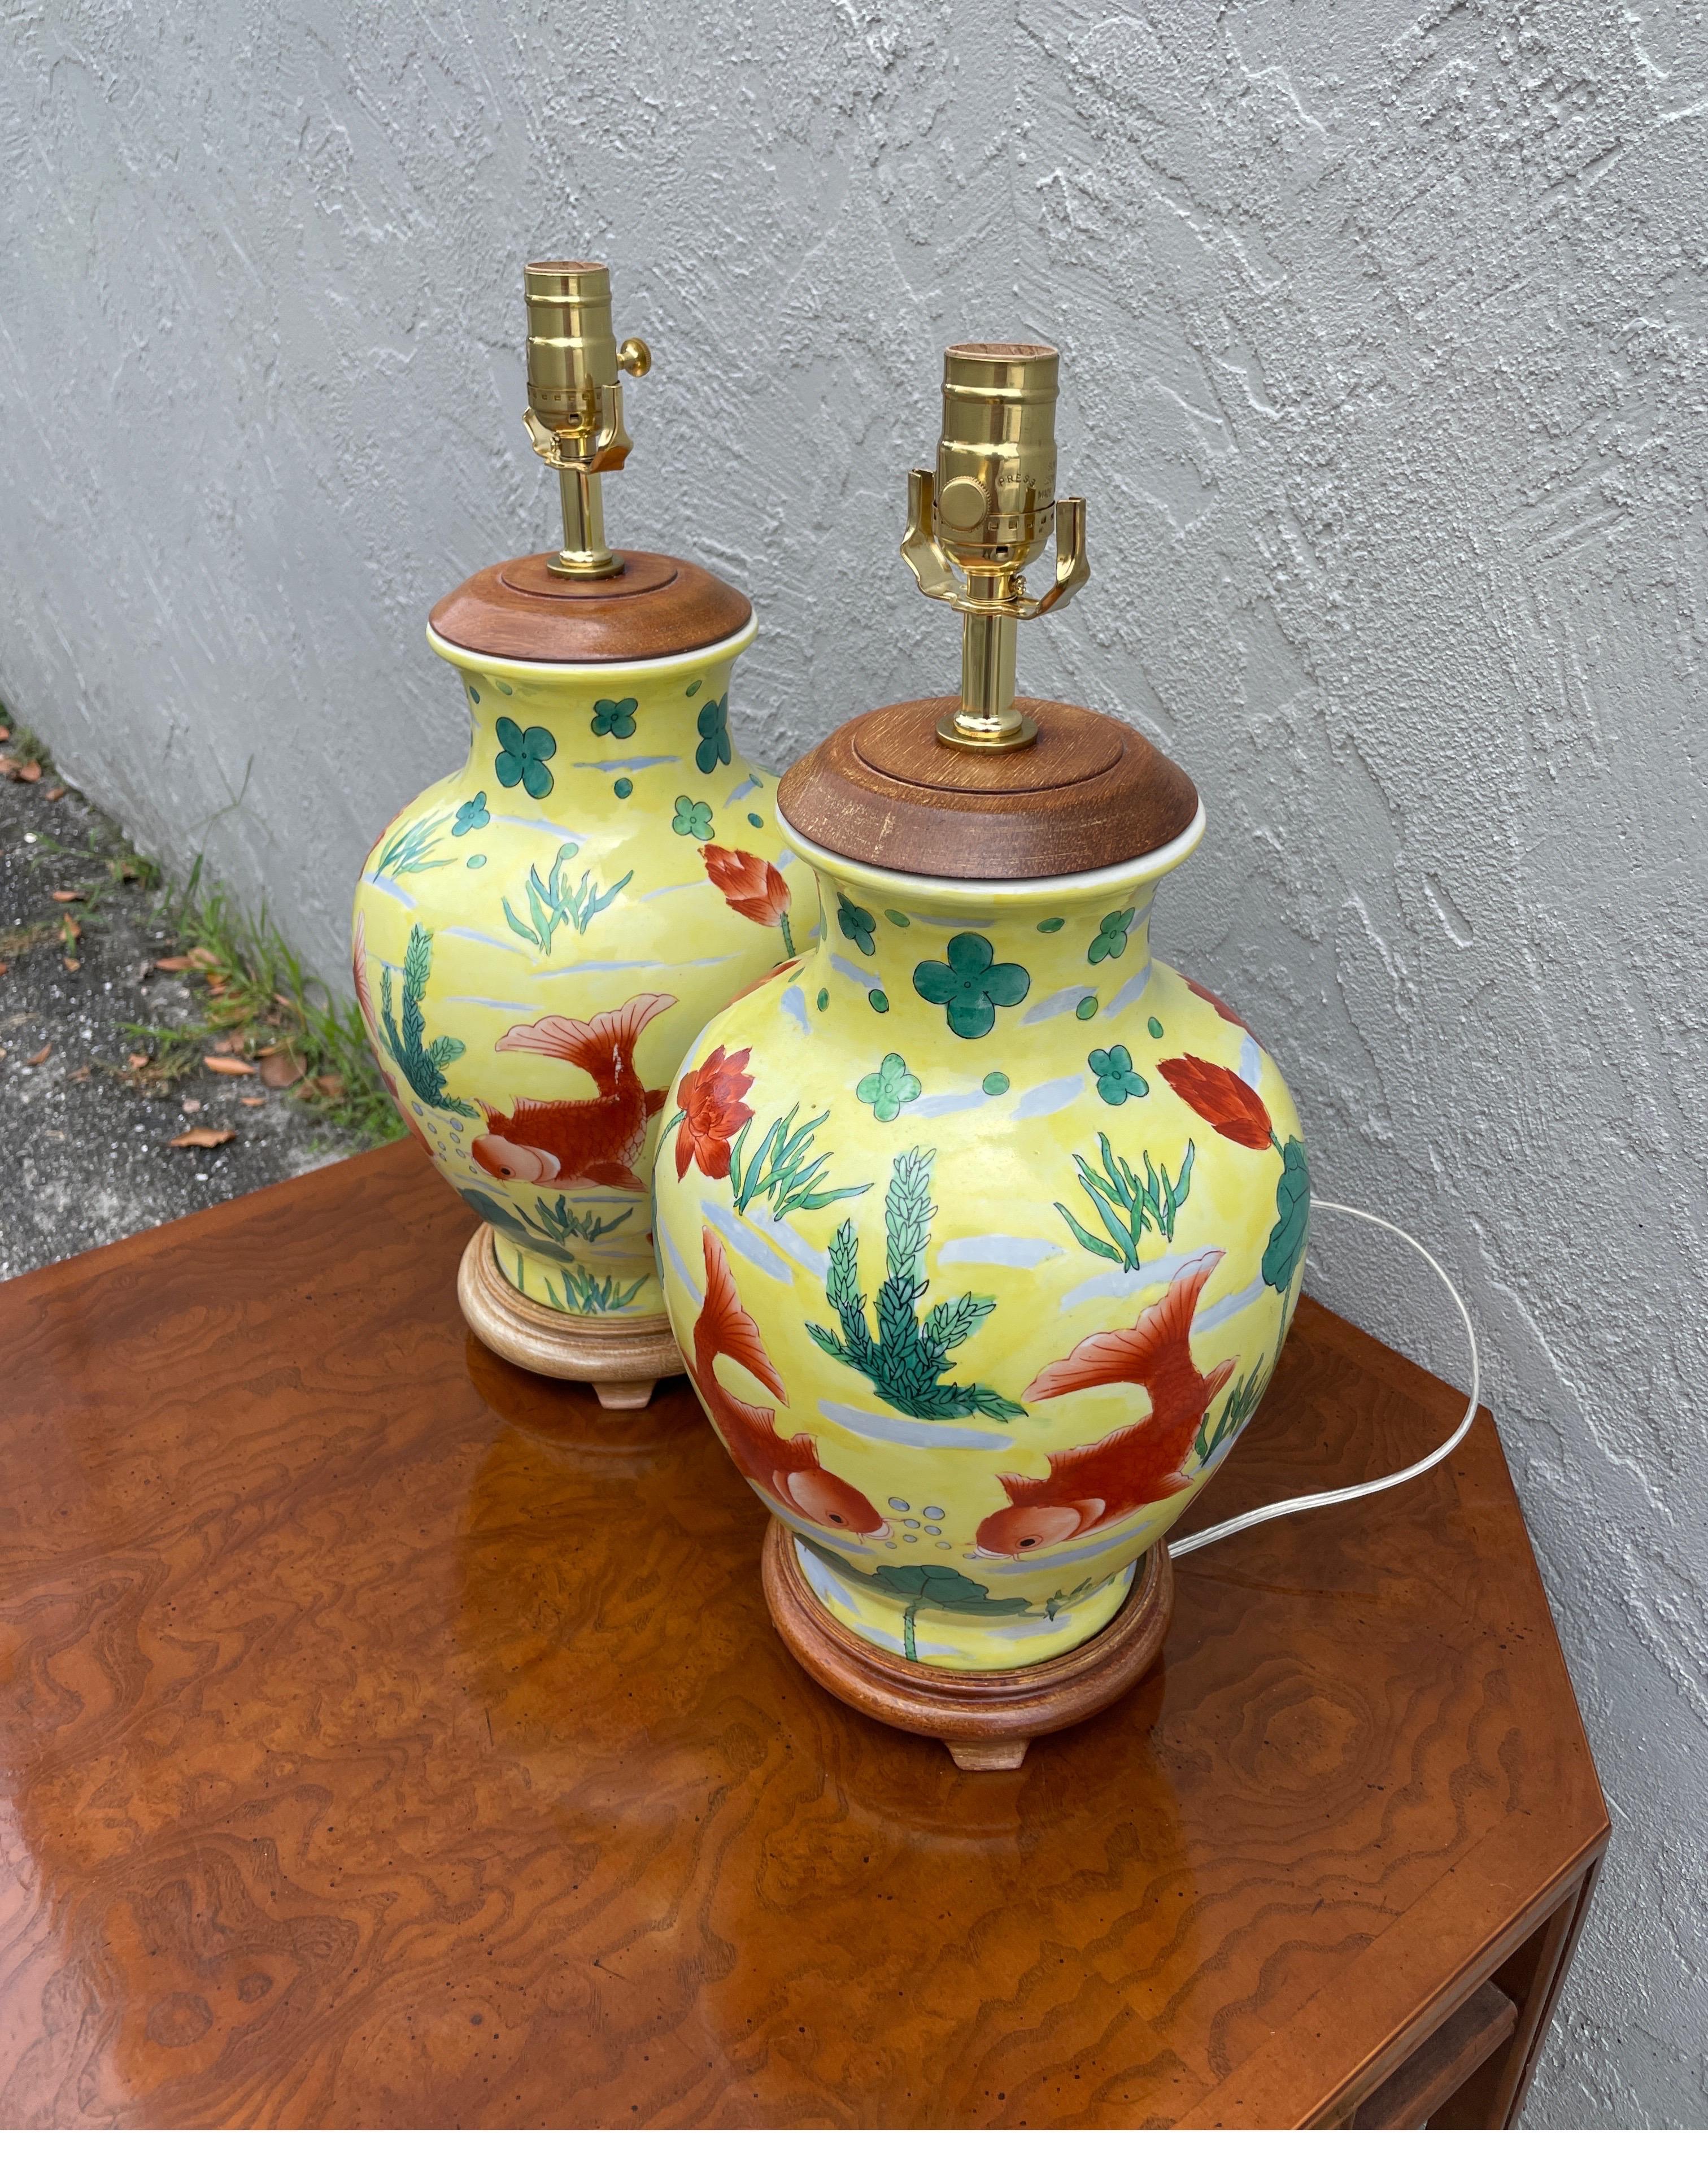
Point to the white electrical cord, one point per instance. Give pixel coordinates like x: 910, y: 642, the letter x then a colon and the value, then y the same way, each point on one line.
x: 1235, y: 1523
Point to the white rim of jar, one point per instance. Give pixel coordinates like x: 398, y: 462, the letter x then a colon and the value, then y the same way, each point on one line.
x: 559, y: 670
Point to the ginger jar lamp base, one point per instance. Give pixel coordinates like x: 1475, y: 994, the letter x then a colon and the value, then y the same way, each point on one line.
x: 987, y: 1720
x: 621, y: 1360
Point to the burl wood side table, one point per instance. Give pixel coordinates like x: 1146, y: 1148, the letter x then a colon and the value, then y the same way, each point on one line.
x: 388, y: 1737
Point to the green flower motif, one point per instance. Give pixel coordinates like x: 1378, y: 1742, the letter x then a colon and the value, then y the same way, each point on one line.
x: 879, y: 999
x: 1111, y: 936
x: 890, y: 1089
x: 623, y: 789
x: 972, y: 986
x: 615, y: 715
x: 470, y: 816
x: 1052, y: 924
x: 522, y: 757
x: 898, y: 919
x: 995, y: 1084
x: 1087, y: 1007
x: 857, y: 924
x: 756, y: 821
x: 1155, y: 1027
x: 712, y: 728
x: 1117, y: 1079
x: 691, y: 817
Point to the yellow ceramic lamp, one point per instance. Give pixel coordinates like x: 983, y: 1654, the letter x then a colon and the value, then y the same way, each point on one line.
x: 538, y: 937
x: 981, y: 1229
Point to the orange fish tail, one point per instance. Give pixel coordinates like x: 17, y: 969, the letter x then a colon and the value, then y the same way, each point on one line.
x: 1158, y: 1346
x: 725, y: 1328
x: 598, y: 1046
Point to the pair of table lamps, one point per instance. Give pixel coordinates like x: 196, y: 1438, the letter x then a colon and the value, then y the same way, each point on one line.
x: 859, y: 1095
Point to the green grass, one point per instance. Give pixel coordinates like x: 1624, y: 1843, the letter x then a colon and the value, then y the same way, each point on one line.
x: 254, y: 984
x: 250, y: 983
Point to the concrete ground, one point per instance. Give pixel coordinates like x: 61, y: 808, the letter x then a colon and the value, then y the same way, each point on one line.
x: 86, y: 1138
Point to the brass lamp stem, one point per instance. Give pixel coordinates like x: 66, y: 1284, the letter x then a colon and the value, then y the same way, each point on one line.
x: 989, y: 718
x: 585, y: 550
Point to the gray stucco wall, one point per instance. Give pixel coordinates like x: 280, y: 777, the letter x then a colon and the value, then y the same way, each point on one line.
x: 1383, y: 335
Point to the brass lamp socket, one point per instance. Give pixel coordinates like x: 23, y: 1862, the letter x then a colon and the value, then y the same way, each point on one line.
x: 575, y: 414
x: 987, y: 510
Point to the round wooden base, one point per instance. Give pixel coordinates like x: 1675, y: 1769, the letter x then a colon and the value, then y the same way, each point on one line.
x: 622, y: 1360
x: 987, y: 1719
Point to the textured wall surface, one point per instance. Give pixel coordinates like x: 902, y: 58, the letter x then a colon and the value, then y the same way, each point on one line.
x: 1385, y: 336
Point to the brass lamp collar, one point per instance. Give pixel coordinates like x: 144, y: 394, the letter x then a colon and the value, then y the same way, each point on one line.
x: 987, y: 510
x: 574, y: 413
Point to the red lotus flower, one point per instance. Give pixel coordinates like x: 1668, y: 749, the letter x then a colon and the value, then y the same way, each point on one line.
x: 714, y: 1114
x: 1232, y: 1108
x: 753, y: 887
x: 1221, y: 1007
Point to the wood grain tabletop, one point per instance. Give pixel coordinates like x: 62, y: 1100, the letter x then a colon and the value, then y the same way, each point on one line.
x: 387, y: 1737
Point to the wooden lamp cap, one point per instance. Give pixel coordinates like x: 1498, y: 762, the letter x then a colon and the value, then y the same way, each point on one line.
x: 1087, y: 793
x: 656, y: 604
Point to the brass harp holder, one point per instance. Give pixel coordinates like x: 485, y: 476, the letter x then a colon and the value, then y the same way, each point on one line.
x: 574, y: 413
x: 987, y: 510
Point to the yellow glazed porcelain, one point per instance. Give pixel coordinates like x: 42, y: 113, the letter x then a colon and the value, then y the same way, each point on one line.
x: 538, y: 936
x: 981, y: 1232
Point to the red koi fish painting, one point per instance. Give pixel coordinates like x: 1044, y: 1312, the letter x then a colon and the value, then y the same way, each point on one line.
x: 594, y: 1140
x: 789, y: 1469
x: 1090, y: 1486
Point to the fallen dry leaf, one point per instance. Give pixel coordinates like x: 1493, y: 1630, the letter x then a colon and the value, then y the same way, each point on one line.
x: 277, y: 1070
x: 329, y: 1086
x: 52, y: 794
x: 72, y: 961
x: 190, y: 1106
x: 31, y: 772
x: 231, y: 1042
x: 202, y: 957
x: 137, y: 1060
x: 202, y: 1140
x: 35, y: 1059
x: 173, y: 962
x: 5, y: 733
x: 78, y: 1075
x: 251, y: 1102
x: 67, y: 893
x: 226, y: 1064
x: 8, y: 768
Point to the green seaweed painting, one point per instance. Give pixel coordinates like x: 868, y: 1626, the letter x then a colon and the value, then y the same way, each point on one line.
x: 550, y: 1228
x: 550, y: 907
x: 410, y: 848
x: 1236, y: 1412
x: 1127, y: 1206
x: 905, y: 1362
x: 783, y: 1169
x: 587, y: 1296
x: 422, y: 1065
